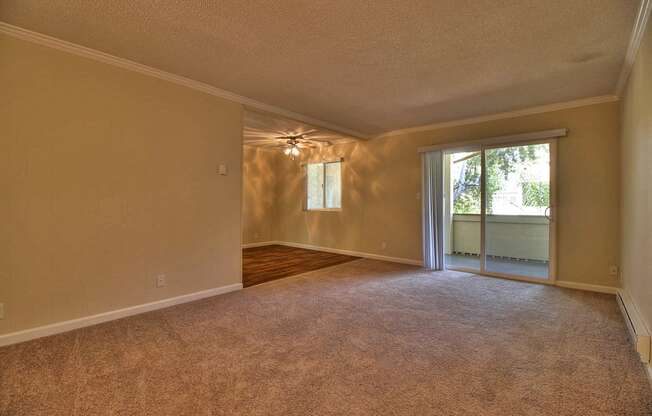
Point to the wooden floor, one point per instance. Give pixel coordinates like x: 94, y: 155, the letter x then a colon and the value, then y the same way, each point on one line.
x: 262, y: 264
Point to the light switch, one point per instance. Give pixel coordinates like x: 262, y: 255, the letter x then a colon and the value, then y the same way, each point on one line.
x: 223, y: 169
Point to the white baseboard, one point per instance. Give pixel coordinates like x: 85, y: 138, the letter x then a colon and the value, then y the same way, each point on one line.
x: 588, y: 287
x: 337, y: 251
x: 352, y: 253
x: 259, y: 244
x: 65, y: 326
x: 638, y: 329
x: 561, y: 283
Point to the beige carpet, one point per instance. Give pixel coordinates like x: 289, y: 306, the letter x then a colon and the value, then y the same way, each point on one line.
x: 362, y: 338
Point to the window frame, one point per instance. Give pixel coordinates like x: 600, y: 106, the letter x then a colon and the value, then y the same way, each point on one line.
x: 323, y: 170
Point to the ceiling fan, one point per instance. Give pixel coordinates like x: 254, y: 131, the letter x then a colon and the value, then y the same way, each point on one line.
x: 293, y: 144
x: 290, y: 137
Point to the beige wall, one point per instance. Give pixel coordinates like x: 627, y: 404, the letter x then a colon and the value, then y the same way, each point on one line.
x: 108, y: 178
x: 259, y: 194
x: 381, y: 183
x: 636, y: 163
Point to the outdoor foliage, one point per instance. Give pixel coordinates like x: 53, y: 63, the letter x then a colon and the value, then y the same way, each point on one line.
x: 535, y: 194
x: 500, y: 163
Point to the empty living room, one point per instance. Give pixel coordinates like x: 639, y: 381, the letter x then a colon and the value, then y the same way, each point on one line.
x: 308, y: 207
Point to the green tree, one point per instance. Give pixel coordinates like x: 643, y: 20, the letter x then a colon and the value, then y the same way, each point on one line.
x: 536, y: 194
x: 500, y: 163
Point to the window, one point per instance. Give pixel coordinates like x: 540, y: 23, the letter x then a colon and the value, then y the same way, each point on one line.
x: 324, y: 185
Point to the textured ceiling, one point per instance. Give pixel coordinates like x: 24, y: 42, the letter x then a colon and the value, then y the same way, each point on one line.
x: 268, y: 130
x: 371, y: 66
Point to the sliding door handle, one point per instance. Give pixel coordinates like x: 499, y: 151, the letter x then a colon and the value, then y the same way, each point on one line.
x: 548, y: 213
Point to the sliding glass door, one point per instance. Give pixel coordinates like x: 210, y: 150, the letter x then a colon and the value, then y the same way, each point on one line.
x: 517, y: 206
x: 498, y: 216
x: 462, y: 209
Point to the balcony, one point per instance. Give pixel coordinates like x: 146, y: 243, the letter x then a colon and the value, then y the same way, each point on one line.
x: 515, y: 244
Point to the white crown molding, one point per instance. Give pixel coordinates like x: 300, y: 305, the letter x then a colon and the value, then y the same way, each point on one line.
x: 512, y: 138
x: 509, y: 114
x: 106, y: 58
x: 65, y: 326
x: 634, y: 44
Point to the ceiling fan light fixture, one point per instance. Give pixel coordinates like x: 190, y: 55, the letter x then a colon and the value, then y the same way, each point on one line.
x: 295, y: 151
x: 287, y: 151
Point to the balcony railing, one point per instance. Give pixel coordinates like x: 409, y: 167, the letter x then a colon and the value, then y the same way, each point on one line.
x: 522, y: 237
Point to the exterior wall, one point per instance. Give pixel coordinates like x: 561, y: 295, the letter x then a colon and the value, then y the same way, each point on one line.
x: 109, y: 178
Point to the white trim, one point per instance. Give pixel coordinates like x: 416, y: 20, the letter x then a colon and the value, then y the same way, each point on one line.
x: 634, y: 44
x: 106, y: 58
x: 587, y: 287
x: 65, y: 326
x: 510, y: 114
x: 499, y: 140
x: 259, y: 244
x: 638, y: 329
x: 351, y: 253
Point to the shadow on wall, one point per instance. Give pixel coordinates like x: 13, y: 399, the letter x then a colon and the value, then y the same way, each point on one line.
x: 365, y: 193
x: 259, y: 184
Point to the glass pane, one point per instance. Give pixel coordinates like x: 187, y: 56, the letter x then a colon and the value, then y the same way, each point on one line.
x: 333, y: 185
x: 462, y: 210
x: 517, y: 229
x: 315, y: 186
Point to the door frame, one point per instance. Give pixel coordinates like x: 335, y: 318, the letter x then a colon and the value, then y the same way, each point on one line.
x: 552, y: 226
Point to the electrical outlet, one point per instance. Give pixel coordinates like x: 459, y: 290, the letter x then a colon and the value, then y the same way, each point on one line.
x: 613, y: 270
x: 383, y: 245
x: 2, y: 311
x: 161, y: 281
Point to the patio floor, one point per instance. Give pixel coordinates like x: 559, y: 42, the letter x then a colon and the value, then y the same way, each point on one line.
x: 537, y: 269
